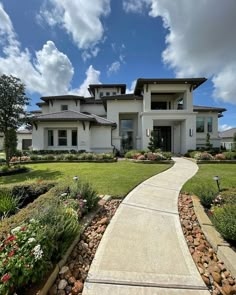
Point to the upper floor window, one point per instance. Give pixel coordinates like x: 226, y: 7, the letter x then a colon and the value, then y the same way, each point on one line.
x: 180, y: 105
x: 107, y: 93
x: 101, y: 94
x: 50, y: 138
x: 159, y: 105
x: 209, y: 124
x: 74, y: 137
x: 62, y: 137
x: 200, y: 124
x: 64, y: 107
x: 113, y: 93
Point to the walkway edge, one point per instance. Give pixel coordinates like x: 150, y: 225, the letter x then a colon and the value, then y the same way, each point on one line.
x: 221, y: 247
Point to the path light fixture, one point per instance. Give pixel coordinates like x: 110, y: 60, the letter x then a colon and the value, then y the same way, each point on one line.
x: 75, y: 178
x: 217, y: 179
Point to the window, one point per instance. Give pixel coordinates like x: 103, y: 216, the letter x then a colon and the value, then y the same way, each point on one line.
x: 64, y: 107
x: 107, y: 93
x: 159, y: 105
x: 127, y: 134
x: 209, y: 124
x: 180, y: 104
x: 114, y: 93
x: 101, y: 94
x: 62, y: 137
x: 200, y: 124
x: 50, y: 138
x: 74, y: 138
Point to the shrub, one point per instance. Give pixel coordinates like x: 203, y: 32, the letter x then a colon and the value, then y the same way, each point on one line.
x: 220, y: 157
x: 131, y: 154
x: 141, y: 157
x: 48, y: 157
x: 151, y: 156
x: 195, y: 154
x: 167, y: 155
x: 34, y: 158
x: 224, y: 219
x: 230, y: 155
x: 206, y: 156
x: 206, y: 193
x: 8, y: 203
x: 82, y: 156
x: 59, y: 157
x: 4, y: 168
x: 70, y: 157
x: 2, y: 160
x: 226, y: 197
x: 107, y: 156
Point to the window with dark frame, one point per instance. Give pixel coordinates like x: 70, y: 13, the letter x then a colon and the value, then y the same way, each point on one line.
x: 209, y: 124
x: 74, y: 137
x: 101, y: 94
x: 64, y: 107
x: 50, y: 138
x: 159, y: 105
x: 200, y: 124
x: 62, y: 137
x: 107, y: 93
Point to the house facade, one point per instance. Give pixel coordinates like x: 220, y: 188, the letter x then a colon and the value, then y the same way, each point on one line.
x: 111, y: 119
x: 227, y: 138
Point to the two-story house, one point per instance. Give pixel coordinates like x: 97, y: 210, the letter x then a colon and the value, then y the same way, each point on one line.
x: 110, y: 118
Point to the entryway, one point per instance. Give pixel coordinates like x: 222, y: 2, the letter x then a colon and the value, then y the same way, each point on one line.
x: 163, y: 134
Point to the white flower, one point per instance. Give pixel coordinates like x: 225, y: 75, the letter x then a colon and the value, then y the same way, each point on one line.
x: 38, y: 252
x: 32, y: 220
x: 16, y: 229
x: 31, y: 240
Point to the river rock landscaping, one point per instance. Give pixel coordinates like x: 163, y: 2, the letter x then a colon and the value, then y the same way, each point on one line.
x: 213, y: 271
x: 72, y: 276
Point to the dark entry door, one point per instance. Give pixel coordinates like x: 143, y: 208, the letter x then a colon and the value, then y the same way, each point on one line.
x: 163, y: 134
x: 26, y: 143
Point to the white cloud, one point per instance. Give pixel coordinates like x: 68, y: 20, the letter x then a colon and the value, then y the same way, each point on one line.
x: 114, y: 68
x: 92, y: 77
x: 201, y: 40
x: 224, y: 127
x: 48, y: 72
x: 131, y: 89
x: 136, y: 6
x: 81, y: 19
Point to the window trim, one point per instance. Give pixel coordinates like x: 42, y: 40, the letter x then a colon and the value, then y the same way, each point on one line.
x: 64, y: 105
x: 72, y: 131
x: 62, y: 137
x: 203, y: 120
x: 211, y: 120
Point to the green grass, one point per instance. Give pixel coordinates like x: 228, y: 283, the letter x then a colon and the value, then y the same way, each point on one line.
x: 206, y: 172
x: 115, y: 179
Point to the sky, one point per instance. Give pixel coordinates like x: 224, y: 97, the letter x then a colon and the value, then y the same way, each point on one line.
x: 59, y: 47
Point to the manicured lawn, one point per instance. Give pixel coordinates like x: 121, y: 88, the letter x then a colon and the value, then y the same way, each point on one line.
x: 115, y: 179
x: 206, y: 172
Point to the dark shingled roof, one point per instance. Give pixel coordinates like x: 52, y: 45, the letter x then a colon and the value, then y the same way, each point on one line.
x: 62, y: 97
x: 209, y: 109
x: 72, y: 116
x: 122, y: 97
x: 195, y: 82
x: 92, y: 87
x: 227, y: 133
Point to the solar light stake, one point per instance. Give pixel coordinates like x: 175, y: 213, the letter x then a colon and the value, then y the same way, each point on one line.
x: 217, y: 179
x: 75, y: 178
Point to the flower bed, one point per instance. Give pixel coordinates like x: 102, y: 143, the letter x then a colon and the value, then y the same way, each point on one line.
x: 212, y: 156
x: 35, y: 238
x: 145, y: 156
x: 213, y: 271
x: 5, y: 171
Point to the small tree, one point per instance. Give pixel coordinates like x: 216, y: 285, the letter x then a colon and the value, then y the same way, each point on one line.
x: 208, y: 143
x: 12, y: 111
x: 154, y: 142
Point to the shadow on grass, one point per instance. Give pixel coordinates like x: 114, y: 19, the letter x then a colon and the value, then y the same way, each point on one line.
x: 31, y: 175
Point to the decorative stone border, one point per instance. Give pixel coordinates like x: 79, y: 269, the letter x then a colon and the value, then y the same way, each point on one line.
x: 87, y: 220
x: 221, y: 247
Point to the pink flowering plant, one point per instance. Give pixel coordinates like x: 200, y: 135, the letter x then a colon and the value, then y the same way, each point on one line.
x: 23, y: 257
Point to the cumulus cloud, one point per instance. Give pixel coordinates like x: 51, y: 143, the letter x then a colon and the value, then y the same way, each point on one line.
x: 224, y: 127
x: 92, y: 77
x: 114, y: 68
x: 131, y: 89
x: 80, y: 19
x: 136, y: 6
x: 201, y: 40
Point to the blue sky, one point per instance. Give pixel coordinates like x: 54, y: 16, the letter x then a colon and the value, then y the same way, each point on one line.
x: 59, y: 46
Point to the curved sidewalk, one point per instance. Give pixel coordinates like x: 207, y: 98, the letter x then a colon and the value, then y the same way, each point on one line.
x: 143, y: 250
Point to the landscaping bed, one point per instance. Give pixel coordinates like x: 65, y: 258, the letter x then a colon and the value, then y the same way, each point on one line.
x: 212, y: 270
x: 73, y: 274
x: 12, y: 170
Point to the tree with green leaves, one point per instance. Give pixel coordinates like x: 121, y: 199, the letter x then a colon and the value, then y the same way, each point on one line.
x: 13, y: 102
x: 208, y: 142
x: 154, y: 142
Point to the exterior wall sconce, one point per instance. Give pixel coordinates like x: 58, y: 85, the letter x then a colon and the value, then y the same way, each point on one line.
x: 148, y: 132
x: 191, y: 132
x: 217, y: 179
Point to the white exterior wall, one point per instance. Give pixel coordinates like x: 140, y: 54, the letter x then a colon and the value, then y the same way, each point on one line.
x: 115, y: 108
x: 97, y: 109
x: 1, y: 142
x: 100, y: 137
x: 45, y: 109
x: 56, y: 107
x: 214, y: 137
x: 20, y: 137
x: 105, y: 90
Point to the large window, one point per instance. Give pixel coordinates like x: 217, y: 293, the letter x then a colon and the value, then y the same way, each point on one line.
x: 74, y: 137
x: 50, y: 138
x: 209, y: 124
x: 200, y: 124
x: 127, y: 134
x: 62, y: 137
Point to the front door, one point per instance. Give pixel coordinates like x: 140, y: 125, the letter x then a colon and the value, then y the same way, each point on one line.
x: 163, y: 134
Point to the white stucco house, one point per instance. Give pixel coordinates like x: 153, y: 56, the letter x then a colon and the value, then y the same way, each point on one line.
x: 227, y: 138
x: 110, y: 118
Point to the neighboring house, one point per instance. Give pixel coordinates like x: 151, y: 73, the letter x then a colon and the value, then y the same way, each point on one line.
x: 24, y: 139
x: 110, y: 118
x: 227, y: 138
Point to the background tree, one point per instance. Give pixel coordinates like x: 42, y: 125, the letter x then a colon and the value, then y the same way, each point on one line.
x: 13, y: 102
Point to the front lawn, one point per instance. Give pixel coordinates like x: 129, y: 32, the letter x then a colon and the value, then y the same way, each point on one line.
x: 115, y: 179
x: 206, y: 172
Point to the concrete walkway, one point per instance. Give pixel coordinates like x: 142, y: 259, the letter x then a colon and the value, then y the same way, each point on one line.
x: 143, y: 250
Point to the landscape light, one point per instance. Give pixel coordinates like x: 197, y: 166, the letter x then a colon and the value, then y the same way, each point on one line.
x: 217, y: 179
